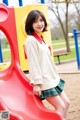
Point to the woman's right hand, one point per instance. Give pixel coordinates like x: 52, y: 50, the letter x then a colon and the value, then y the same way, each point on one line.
x: 37, y: 90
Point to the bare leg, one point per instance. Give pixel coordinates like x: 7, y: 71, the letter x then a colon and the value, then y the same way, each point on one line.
x: 66, y: 101
x: 60, y: 102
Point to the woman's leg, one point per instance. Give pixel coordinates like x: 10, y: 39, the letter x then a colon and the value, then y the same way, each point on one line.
x: 66, y: 101
x: 58, y: 104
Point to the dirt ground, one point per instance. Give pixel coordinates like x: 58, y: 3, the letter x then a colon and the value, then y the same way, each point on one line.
x: 72, y: 89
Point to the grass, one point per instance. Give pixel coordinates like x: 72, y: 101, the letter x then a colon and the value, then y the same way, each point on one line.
x: 56, y: 46
x: 6, y: 54
x: 61, y: 40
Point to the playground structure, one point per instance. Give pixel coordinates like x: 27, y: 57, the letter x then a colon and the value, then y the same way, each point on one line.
x: 1, y: 59
x: 76, y: 33
x: 20, y: 16
x: 7, y: 3
x: 4, y: 65
x: 16, y: 94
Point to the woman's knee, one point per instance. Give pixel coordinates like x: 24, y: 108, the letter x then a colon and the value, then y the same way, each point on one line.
x: 61, y: 107
x: 67, y: 103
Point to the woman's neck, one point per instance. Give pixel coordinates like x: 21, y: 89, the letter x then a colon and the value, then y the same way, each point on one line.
x: 39, y: 34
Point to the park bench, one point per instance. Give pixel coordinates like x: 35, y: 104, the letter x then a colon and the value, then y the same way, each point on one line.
x: 60, y: 53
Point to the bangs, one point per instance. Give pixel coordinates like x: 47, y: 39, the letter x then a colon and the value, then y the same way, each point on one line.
x: 36, y: 16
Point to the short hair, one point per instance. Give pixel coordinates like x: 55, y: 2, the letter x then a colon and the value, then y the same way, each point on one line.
x: 32, y: 16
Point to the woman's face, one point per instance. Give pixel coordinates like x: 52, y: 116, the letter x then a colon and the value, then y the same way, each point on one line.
x: 38, y: 25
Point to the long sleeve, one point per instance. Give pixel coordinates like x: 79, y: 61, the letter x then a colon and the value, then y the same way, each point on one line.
x: 34, y: 67
x: 42, y: 69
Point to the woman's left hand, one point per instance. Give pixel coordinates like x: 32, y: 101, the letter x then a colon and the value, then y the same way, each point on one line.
x: 37, y: 90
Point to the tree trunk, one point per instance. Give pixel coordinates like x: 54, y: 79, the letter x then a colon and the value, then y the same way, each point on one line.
x: 66, y: 35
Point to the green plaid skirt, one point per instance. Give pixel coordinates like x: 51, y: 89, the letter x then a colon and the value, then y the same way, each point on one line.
x: 53, y: 91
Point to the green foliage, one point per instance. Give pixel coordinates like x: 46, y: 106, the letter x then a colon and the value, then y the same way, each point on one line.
x: 4, y: 43
x: 6, y: 54
x: 57, y: 46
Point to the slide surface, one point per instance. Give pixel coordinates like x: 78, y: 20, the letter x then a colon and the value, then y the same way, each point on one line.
x: 16, y: 96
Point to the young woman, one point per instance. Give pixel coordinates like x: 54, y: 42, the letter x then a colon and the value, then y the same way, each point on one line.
x: 44, y: 78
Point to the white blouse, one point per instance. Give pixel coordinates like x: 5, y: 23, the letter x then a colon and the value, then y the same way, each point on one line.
x: 42, y: 69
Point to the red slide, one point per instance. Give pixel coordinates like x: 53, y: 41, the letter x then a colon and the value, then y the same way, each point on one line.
x: 16, y: 94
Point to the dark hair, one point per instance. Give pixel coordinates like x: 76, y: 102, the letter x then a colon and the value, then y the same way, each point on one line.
x: 32, y: 16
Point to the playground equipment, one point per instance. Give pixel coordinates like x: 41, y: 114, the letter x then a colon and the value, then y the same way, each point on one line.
x: 16, y: 94
x: 42, y: 1
x: 1, y: 59
x: 6, y: 2
x: 76, y: 33
x: 20, y: 16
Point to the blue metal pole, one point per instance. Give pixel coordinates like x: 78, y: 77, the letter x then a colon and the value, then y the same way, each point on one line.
x: 20, y: 3
x: 42, y: 1
x: 1, y: 59
x: 76, y: 46
x: 6, y: 2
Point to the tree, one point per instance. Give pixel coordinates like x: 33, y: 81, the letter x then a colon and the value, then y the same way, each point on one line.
x: 77, y: 21
x: 55, y: 8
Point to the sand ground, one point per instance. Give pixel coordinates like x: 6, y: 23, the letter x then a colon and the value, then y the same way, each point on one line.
x: 72, y: 89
